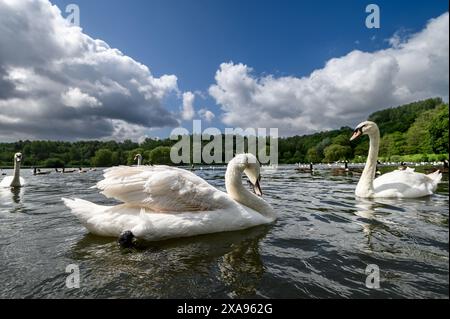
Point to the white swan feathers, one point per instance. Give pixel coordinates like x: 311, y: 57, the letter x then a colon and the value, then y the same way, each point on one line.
x: 15, y: 180
x: 161, y: 202
x: 397, y: 184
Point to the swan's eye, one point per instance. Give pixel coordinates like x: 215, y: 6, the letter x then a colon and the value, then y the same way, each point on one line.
x: 359, y: 129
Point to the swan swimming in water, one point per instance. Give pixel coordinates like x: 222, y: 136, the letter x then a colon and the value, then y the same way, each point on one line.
x: 138, y: 158
x: 399, y: 183
x: 161, y: 202
x: 15, y: 180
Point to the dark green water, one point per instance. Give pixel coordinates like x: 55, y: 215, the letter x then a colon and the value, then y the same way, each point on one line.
x: 319, y: 247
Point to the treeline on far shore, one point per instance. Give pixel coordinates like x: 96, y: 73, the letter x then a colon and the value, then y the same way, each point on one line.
x: 416, y: 132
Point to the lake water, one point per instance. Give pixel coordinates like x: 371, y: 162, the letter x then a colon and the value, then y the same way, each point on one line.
x: 319, y: 247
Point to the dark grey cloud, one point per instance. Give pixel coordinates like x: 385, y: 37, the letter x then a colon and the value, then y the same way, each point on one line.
x: 7, y: 87
x: 57, y: 82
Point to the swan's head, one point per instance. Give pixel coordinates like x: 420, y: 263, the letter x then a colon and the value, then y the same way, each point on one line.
x: 18, y: 157
x: 249, y: 164
x: 364, y: 128
x: 126, y: 239
x: 137, y: 156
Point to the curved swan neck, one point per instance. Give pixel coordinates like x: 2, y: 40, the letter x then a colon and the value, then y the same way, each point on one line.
x: 16, y: 180
x: 237, y: 191
x: 365, y: 185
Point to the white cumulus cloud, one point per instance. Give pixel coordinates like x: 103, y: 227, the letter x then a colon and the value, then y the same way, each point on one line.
x: 188, y: 106
x: 75, y: 98
x: 345, y: 91
x: 206, y: 114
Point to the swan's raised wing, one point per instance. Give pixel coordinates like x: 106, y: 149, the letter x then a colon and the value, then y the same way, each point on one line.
x: 161, y: 189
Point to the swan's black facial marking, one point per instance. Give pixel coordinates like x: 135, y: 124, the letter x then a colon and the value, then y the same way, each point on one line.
x: 360, y: 129
x: 256, y: 188
x: 126, y: 239
x: 357, y: 132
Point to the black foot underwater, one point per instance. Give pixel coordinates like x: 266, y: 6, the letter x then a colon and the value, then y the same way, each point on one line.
x: 126, y: 239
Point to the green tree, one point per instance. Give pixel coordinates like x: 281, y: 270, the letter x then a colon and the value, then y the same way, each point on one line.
x: 400, y: 118
x: 53, y: 163
x: 287, y: 156
x: 392, y: 144
x: 362, y: 148
x: 438, y: 130
x: 336, y: 152
x: 313, y: 155
x: 418, y: 139
x: 102, y: 158
x: 342, y: 139
x: 160, y: 155
x: 298, y: 157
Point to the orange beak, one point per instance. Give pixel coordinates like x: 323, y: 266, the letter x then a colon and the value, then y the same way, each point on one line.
x: 355, y: 135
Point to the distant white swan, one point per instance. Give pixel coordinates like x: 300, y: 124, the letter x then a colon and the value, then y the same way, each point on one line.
x: 15, y: 180
x: 138, y: 157
x: 399, y: 183
x: 161, y: 202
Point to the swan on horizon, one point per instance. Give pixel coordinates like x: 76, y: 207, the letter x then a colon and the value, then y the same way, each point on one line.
x: 15, y: 180
x: 161, y: 202
x: 138, y: 158
x: 399, y: 183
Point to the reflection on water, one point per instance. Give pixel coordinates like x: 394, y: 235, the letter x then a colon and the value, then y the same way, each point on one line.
x: 236, y: 254
x: 241, y: 269
x: 10, y: 196
x: 318, y: 248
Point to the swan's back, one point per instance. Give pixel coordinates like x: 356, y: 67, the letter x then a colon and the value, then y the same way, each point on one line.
x: 161, y: 189
x: 7, y: 181
x: 406, y: 184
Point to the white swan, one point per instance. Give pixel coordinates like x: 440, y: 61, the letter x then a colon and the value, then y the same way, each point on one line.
x: 161, y: 202
x: 15, y: 180
x: 138, y: 157
x: 399, y: 183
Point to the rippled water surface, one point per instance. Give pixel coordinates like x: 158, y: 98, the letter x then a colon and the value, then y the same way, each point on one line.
x: 319, y: 247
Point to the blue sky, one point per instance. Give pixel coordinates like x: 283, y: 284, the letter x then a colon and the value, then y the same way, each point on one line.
x: 191, y: 38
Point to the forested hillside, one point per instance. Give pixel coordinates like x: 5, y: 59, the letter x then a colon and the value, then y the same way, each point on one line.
x: 413, y: 132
